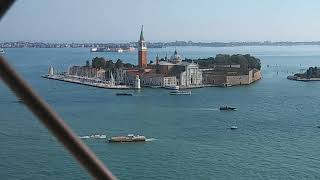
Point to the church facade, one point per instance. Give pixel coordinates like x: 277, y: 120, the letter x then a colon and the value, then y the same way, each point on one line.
x: 187, y: 74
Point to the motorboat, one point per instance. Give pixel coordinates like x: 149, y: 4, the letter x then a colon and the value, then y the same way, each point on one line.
x: 233, y: 127
x: 124, y: 94
x: 227, y: 108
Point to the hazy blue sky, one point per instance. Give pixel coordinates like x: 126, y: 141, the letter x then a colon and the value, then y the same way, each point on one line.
x: 164, y: 20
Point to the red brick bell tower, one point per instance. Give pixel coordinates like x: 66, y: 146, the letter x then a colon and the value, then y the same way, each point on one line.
x: 142, y: 51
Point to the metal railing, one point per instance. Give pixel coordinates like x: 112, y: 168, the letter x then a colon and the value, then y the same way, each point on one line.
x: 49, y: 118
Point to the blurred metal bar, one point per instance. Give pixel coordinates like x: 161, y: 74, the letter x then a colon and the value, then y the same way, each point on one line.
x: 4, y: 6
x: 53, y: 122
x: 50, y: 118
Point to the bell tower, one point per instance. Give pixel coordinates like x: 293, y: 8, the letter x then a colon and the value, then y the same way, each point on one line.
x: 142, y: 51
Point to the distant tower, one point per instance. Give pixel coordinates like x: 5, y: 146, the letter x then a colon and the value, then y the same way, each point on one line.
x: 142, y: 52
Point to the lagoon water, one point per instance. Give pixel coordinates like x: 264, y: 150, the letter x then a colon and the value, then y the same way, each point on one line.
x: 277, y: 137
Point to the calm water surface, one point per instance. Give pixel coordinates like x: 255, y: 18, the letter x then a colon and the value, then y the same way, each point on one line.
x: 276, y: 137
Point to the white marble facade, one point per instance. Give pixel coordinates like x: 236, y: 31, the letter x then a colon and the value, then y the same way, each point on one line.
x: 192, y: 76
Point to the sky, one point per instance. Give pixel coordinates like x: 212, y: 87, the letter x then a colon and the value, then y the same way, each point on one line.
x: 163, y: 20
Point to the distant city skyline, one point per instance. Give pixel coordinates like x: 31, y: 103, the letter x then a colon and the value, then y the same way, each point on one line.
x: 198, y: 21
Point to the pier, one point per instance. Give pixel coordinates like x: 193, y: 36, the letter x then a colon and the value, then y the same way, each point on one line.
x: 86, y: 81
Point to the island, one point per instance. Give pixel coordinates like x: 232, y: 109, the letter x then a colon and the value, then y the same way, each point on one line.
x: 312, y: 74
x: 173, y: 72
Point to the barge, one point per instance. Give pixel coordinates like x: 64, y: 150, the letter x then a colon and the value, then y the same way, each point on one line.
x: 128, y: 138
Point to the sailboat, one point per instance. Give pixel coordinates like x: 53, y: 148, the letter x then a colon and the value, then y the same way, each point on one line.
x: 2, y: 51
x: 112, y: 79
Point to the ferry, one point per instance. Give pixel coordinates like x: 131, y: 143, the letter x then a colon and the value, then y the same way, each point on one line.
x: 180, y: 93
x: 2, y: 51
x: 128, y: 138
x: 96, y: 49
x: 124, y: 94
x: 227, y: 108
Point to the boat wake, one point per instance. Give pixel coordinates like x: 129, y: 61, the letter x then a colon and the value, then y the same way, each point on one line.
x: 151, y: 139
x: 207, y: 109
x: 4, y: 134
x: 94, y: 136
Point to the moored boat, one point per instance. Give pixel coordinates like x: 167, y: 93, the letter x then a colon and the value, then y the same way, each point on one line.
x: 227, y: 85
x: 128, y: 138
x: 172, y: 87
x: 224, y: 85
x: 227, y: 108
x: 180, y: 93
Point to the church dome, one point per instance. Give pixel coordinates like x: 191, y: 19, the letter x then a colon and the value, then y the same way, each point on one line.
x: 175, y: 58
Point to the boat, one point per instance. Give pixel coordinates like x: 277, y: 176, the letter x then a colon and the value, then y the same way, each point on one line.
x: 225, y: 85
x: 180, y: 92
x: 128, y: 138
x: 172, y: 87
x: 97, y: 49
x: 227, y: 108
x: 124, y: 94
x: 2, y: 51
x: 233, y: 127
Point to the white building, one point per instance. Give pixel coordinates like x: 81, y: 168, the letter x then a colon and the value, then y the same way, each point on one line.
x: 191, y: 76
x: 187, y: 74
x: 160, y: 80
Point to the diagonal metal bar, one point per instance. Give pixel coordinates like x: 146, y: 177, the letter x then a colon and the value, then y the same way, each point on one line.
x: 50, y: 118
x: 53, y: 122
x: 4, y: 6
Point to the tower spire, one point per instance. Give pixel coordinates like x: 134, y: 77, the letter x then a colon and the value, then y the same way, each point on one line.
x: 141, y: 34
x: 142, y: 52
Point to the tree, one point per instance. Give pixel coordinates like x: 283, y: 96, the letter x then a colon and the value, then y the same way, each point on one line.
x: 308, y: 73
x: 109, y: 65
x: 118, y: 64
x: 87, y: 63
x: 99, y: 62
x: 246, y: 61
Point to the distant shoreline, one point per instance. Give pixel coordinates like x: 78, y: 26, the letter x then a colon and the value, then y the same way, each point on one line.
x: 34, y: 44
